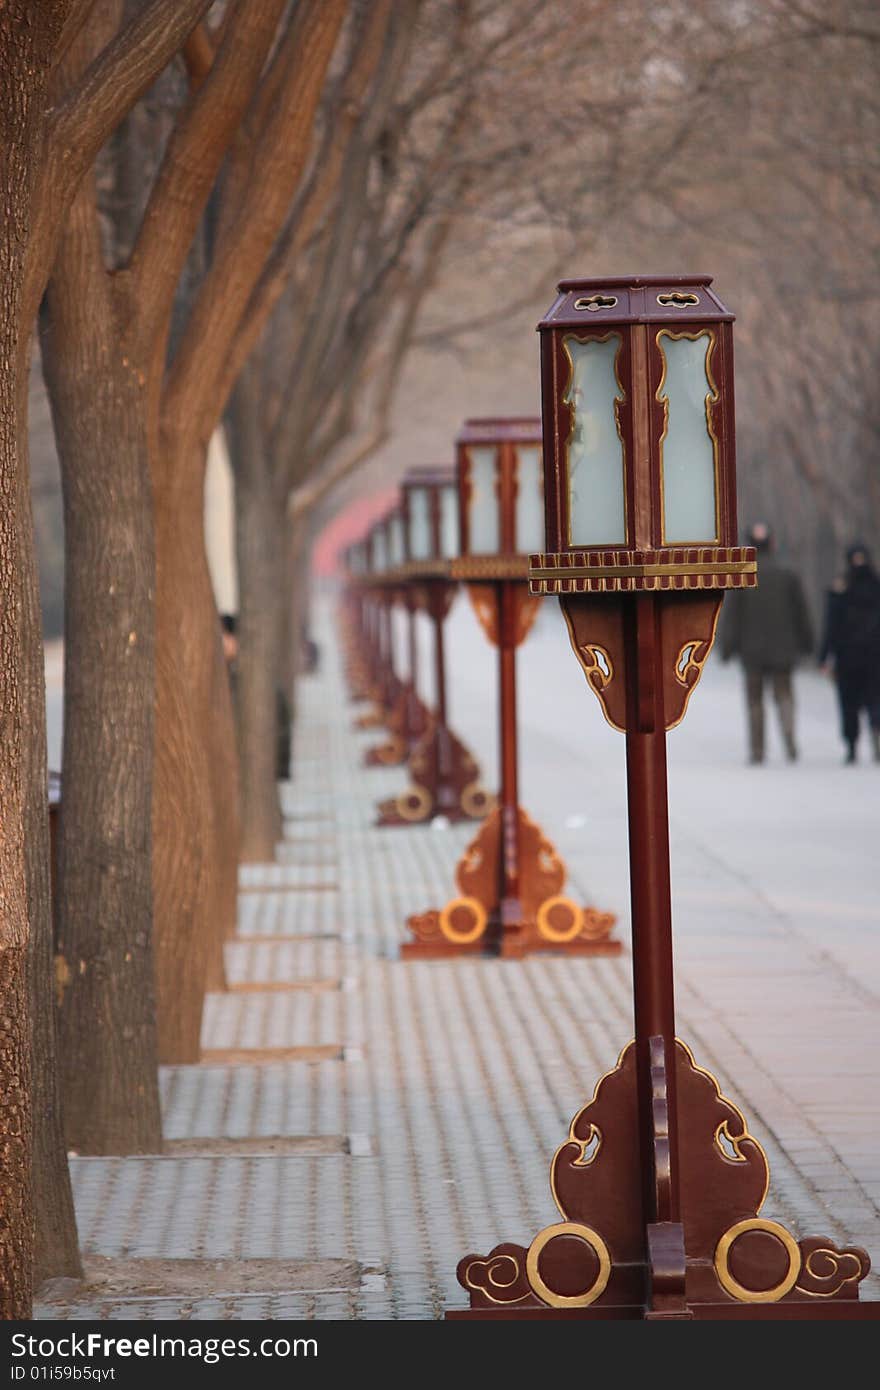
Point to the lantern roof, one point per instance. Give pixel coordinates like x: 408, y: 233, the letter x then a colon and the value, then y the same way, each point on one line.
x: 635, y: 299
x: 500, y: 429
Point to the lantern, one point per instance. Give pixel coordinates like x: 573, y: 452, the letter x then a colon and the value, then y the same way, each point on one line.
x: 430, y: 511
x: 639, y: 463
x: 501, y: 487
x: 396, y: 538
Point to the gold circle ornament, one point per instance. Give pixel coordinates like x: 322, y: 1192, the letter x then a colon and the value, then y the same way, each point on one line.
x: 476, y: 801
x: 473, y: 933
x: 739, y: 1291
x: 600, y: 1249
x: 405, y: 808
x: 557, y: 935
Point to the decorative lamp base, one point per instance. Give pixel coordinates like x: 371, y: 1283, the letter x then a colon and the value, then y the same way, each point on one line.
x: 722, y: 1260
x: 445, y: 782
x: 480, y: 921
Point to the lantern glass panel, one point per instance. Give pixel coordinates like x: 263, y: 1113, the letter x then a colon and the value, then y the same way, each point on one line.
x: 380, y: 550
x: 484, y: 523
x: 449, y: 540
x: 421, y: 542
x: 688, y: 448
x: 596, y: 499
x: 395, y: 541
x: 529, y: 499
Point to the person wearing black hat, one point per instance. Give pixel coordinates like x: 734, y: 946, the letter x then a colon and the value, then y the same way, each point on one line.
x: 769, y: 629
x: 850, y: 648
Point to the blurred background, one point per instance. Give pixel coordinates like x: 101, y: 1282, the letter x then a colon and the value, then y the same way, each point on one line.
x: 737, y: 138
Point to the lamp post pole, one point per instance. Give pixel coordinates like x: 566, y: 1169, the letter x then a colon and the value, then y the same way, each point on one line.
x: 510, y: 908
x: 650, y: 895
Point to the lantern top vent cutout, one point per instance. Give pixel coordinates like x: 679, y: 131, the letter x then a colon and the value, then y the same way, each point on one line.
x: 639, y: 446
x: 500, y: 487
x: 430, y: 517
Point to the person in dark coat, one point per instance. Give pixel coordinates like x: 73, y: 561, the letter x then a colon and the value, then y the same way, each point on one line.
x: 770, y: 630
x: 850, y: 648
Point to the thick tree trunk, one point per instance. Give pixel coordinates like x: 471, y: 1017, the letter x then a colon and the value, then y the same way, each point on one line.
x: 195, y: 843
x: 56, y: 1247
x: 24, y: 56
x: 16, y: 1213
x: 105, y: 972
x: 260, y: 554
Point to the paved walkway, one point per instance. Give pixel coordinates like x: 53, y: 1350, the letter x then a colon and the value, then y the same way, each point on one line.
x: 359, y: 1123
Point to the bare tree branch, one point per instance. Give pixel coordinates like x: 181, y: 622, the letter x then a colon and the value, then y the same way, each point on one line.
x: 90, y: 111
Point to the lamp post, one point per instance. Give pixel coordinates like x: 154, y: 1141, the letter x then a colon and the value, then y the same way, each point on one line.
x: 445, y: 776
x: 407, y: 717
x: 510, y: 877
x: 373, y: 566
x: 659, y: 1182
x: 355, y: 622
x: 387, y: 535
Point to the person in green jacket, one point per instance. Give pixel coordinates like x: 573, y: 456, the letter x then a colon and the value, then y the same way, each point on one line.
x: 769, y: 629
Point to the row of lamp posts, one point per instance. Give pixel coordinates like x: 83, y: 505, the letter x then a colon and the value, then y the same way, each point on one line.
x: 623, y: 506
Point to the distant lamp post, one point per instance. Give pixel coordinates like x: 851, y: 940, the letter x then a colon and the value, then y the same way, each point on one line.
x: 411, y: 718
x: 510, y: 878
x: 387, y: 555
x: 372, y: 560
x: 445, y: 776
x: 353, y: 622
x: 360, y: 627
x: 659, y: 1183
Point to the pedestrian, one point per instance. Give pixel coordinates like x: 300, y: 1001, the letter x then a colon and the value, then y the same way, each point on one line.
x: 850, y: 649
x: 769, y: 629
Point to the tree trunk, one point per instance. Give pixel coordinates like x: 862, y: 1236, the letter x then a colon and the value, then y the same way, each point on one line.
x: 105, y: 971
x: 25, y: 50
x: 259, y: 542
x: 195, y: 845
x: 56, y: 1247
x: 16, y: 1213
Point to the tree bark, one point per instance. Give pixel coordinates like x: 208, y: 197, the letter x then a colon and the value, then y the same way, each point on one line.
x: 16, y: 1214
x: 259, y: 543
x: 56, y: 1247
x: 26, y: 44
x: 194, y: 839
x: 105, y: 973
